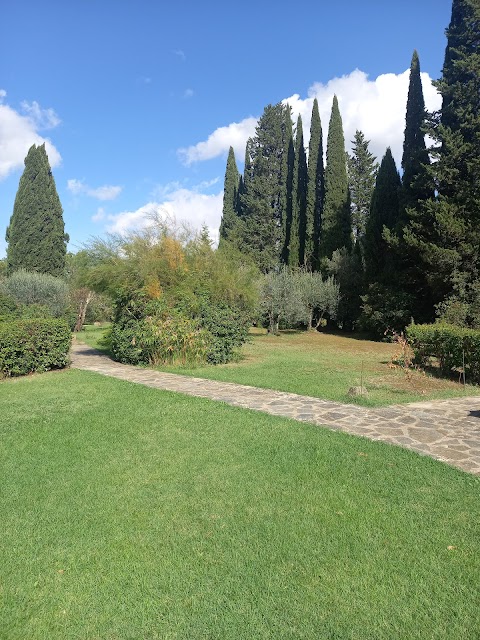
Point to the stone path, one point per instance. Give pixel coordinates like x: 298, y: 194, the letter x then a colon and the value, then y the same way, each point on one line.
x: 447, y: 430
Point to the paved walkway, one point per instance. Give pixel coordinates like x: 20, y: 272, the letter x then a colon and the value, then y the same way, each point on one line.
x: 447, y: 430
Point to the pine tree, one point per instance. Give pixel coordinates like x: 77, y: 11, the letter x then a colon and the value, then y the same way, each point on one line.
x: 36, y: 235
x: 445, y: 231
x: 416, y: 180
x: 336, y: 229
x: 263, y: 202
x: 297, y: 235
x: 230, y: 198
x: 315, y: 190
x: 384, y: 212
x: 362, y: 172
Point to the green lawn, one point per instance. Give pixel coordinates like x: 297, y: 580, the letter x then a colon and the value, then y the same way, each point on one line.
x: 131, y: 513
x: 326, y: 366
x: 320, y: 365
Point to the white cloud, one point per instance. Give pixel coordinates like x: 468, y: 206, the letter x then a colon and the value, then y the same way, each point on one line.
x: 184, y: 205
x: 19, y: 132
x: 179, y: 53
x: 100, y: 215
x: 218, y: 143
x: 107, y: 192
x: 188, y: 93
x: 376, y: 107
x: 41, y: 118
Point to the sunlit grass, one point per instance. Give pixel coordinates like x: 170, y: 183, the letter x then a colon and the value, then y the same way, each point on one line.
x: 128, y: 512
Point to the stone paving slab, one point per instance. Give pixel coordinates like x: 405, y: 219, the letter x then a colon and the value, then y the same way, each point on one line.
x: 448, y: 430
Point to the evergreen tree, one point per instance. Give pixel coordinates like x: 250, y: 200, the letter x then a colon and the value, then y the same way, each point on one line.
x: 416, y: 180
x: 288, y: 171
x: 445, y: 231
x: 384, y: 212
x: 336, y: 229
x: 362, y: 172
x: 315, y: 190
x: 297, y: 235
x: 230, y: 198
x: 263, y: 202
x: 36, y: 235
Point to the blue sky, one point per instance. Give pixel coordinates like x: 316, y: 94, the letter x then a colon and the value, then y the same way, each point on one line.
x: 139, y: 100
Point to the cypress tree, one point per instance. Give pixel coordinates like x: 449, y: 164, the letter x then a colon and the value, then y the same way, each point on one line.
x: 445, y: 231
x: 230, y: 197
x: 362, y: 171
x: 336, y: 230
x: 263, y: 202
x: 384, y: 212
x: 36, y: 234
x: 315, y: 190
x: 297, y: 235
x: 288, y: 170
x: 416, y: 180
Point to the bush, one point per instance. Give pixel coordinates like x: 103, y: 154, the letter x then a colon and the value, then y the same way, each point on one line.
x: 228, y: 329
x: 170, y: 339
x: 28, y: 288
x: 451, y: 345
x: 32, y: 345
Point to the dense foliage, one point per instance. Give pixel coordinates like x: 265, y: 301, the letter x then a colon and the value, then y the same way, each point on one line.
x: 28, y: 345
x: 36, y: 236
x: 457, y: 349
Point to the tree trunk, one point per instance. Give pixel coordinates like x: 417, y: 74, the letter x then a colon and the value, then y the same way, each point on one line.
x: 82, y: 310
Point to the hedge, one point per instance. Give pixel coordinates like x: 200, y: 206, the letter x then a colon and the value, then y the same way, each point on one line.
x: 450, y: 344
x: 28, y: 345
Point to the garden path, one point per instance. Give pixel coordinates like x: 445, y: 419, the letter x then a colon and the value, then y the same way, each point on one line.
x: 448, y: 430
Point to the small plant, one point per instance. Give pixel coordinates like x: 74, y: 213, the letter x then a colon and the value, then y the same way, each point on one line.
x: 404, y: 358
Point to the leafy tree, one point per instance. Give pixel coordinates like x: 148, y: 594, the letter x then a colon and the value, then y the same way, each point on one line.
x: 264, y: 200
x: 47, y: 294
x: 315, y: 190
x: 36, y: 236
x: 230, y: 197
x: 346, y: 267
x: 280, y: 299
x: 384, y: 213
x: 336, y: 230
x: 297, y: 233
x: 362, y: 171
x: 319, y: 297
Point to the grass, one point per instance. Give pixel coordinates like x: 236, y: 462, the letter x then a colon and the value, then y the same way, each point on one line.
x: 321, y: 365
x: 325, y: 365
x: 94, y: 336
x: 130, y: 513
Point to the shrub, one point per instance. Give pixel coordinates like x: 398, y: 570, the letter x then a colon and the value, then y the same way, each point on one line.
x: 228, y: 329
x: 28, y: 288
x: 28, y: 345
x: 169, y: 339
x: 451, y: 345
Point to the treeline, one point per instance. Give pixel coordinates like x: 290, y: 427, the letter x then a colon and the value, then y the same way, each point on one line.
x: 400, y: 246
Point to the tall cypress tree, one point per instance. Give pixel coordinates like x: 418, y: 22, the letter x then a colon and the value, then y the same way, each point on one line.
x: 230, y: 197
x: 263, y: 202
x: 362, y: 172
x: 445, y: 231
x: 336, y: 229
x: 297, y: 235
x: 36, y: 234
x: 315, y: 190
x: 288, y: 171
x: 384, y: 212
x: 416, y: 179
